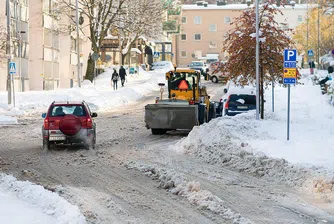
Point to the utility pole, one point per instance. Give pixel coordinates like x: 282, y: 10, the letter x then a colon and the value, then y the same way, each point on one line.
x: 78, y: 42
x: 318, y: 50
x: 307, y: 29
x: 9, y: 89
x: 257, y: 62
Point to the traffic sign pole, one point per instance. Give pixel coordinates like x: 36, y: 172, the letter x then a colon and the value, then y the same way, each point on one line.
x: 9, y: 91
x: 12, y: 77
x: 288, y: 120
x: 289, y: 78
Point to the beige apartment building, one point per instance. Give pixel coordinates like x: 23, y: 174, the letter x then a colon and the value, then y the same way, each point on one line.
x: 202, y: 29
x: 42, y: 46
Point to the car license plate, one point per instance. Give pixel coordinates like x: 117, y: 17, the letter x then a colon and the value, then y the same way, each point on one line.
x: 56, y: 138
x: 242, y: 107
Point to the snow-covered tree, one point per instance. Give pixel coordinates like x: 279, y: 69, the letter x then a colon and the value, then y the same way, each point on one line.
x: 139, y: 18
x: 310, y: 28
x: 240, y: 45
x: 100, y: 16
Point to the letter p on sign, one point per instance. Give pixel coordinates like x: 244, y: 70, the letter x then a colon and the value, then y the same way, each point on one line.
x: 290, y: 55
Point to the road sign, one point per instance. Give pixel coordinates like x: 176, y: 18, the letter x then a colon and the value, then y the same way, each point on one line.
x: 12, y: 68
x: 289, y: 73
x: 95, y: 56
x: 156, y: 54
x: 290, y: 55
x: 289, y: 81
x: 290, y: 64
x: 310, y: 53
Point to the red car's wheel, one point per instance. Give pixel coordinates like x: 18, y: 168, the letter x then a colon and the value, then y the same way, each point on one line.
x: 70, y: 125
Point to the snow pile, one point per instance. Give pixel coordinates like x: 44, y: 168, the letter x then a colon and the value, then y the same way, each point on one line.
x: 43, y: 206
x: 226, y: 141
x: 177, y: 184
x: 100, y: 96
x: 260, y: 147
x: 7, y: 120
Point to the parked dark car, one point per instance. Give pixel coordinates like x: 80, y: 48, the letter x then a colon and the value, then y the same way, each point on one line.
x: 239, y: 103
x: 69, y: 123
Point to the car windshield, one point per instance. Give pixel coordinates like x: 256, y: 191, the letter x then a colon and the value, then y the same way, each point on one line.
x: 243, y: 99
x: 77, y: 110
x: 197, y: 64
x: 179, y: 76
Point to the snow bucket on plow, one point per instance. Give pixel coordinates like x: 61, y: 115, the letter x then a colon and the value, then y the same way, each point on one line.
x: 170, y: 116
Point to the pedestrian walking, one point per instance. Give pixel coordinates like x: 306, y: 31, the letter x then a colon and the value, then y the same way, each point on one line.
x: 122, y: 74
x: 312, y: 66
x: 114, y: 79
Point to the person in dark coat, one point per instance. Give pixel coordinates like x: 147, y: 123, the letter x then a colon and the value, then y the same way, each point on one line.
x: 122, y: 74
x: 312, y: 66
x: 114, y: 79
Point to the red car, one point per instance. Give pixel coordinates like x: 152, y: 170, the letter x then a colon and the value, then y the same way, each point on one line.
x: 69, y: 123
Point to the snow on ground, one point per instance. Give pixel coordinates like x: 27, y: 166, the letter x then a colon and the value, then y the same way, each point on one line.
x: 29, y: 203
x: 100, y: 96
x: 261, y: 147
x: 7, y: 120
x: 33, y: 202
x: 177, y: 184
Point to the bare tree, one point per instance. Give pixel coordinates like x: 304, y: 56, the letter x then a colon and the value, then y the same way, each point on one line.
x: 140, y: 18
x: 3, y: 36
x: 241, y: 46
x: 101, y: 16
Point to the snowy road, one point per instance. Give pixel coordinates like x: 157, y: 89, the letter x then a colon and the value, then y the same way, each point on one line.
x: 107, y: 190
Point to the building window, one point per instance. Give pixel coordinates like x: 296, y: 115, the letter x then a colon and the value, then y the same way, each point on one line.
x: 213, y: 27
x: 300, y: 18
x: 227, y: 19
x: 183, y: 54
x: 284, y: 26
x: 213, y: 44
x: 197, y: 20
x: 184, y: 20
x: 183, y: 36
x: 198, y: 36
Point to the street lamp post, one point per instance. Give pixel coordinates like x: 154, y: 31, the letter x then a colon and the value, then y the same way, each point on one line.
x: 318, y: 42
x: 78, y: 43
x: 9, y: 89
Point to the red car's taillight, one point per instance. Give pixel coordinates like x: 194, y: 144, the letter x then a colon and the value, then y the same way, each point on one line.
x: 46, y: 123
x: 89, y: 123
x: 226, y: 103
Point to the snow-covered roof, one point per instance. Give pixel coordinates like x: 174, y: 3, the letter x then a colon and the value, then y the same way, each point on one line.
x: 240, y: 7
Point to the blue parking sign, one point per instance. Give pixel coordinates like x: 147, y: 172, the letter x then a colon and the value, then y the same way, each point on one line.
x: 290, y: 55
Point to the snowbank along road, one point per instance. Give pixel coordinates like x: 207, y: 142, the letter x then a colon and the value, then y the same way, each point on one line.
x: 135, y: 177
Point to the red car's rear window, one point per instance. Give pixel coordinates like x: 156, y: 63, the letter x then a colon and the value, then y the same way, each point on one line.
x: 62, y: 110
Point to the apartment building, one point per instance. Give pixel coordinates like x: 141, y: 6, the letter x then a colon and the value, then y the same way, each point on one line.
x: 42, y: 46
x: 203, y: 26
